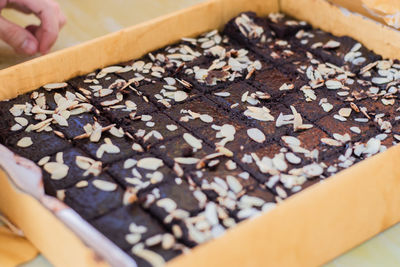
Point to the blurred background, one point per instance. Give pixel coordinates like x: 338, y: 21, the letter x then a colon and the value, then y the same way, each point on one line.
x: 90, y: 19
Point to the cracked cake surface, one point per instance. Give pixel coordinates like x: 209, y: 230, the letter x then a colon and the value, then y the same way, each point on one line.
x: 166, y: 152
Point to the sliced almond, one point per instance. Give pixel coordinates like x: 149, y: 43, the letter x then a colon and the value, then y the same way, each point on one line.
x: 192, y: 141
x: 331, y: 44
x: 206, y: 118
x: 313, y: 170
x: 52, y: 86
x: 286, y: 86
x: 129, y: 163
x: 292, y: 158
x: 327, y: 107
x: 57, y: 170
x: 345, y: 112
x: 172, y: 127
x: 44, y: 160
x: 291, y: 140
x: 256, y: 135
x: 82, y: 184
x: 84, y: 162
x: 187, y: 161
x: 331, y: 142
x: 104, y: 185
x: 149, y: 256
x: 333, y: 84
x: 150, y: 163
x: 180, y: 96
x: 234, y: 184
x: 22, y: 121
x: 25, y: 142
x: 60, y: 120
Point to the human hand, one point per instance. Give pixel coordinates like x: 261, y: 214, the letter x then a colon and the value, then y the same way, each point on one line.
x: 33, y: 38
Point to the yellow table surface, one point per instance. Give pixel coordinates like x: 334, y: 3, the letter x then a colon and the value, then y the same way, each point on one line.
x: 90, y: 19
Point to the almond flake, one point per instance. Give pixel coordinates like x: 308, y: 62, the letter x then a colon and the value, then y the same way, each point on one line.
x: 52, y: 86
x: 192, y: 141
x: 331, y: 142
x: 22, y: 121
x: 108, y: 70
x: 172, y: 127
x: 313, y: 170
x: 60, y: 120
x: 129, y: 163
x: 82, y: 184
x: 256, y: 135
x: 44, y: 160
x: 286, y: 86
x: 84, y: 162
x: 57, y: 170
x: 259, y: 113
x: 234, y: 184
x: 25, y: 142
x: 206, y: 118
x: 333, y: 84
x: 345, y: 112
x: 292, y: 158
x: 327, y: 107
x: 331, y: 44
x: 170, y: 80
x: 96, y: 134
x: 381, y: 80
x: 167, y: 204
x: 17, y: 110
x: 150, y: 163
x: 104, y: 185
x: 133, y: 238
x: 186, y: 161
x: 60, y: 157
x: 385, y: 101
x: 222, y: 94
x: 291, y: 140
x: 117, y: 132
x: 16, y: 127
x: 355, y: 129
x: 151, y: 257
x: 108, y: 148
x: 180, y: 96
x: 168, y: 241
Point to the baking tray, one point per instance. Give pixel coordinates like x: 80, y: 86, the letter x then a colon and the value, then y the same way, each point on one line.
x: 308, y: 229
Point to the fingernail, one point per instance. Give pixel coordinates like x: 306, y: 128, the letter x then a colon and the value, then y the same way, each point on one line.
x: 29, y: 47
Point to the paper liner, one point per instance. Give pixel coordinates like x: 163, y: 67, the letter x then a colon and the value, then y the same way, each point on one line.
x: 27, y: 177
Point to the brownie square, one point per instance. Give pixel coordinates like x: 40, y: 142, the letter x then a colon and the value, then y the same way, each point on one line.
x: 109, y: 148
x: 237, y: 96
x: 93, y: 198
x: 337, y: 50
x: 222, y: 176
x: 117, y: 225
x: 195, y: 114
x: 16, y: 115
x: 76, y: 173
x: 140, y: 171
x: 185, y: 211
x: 230, y: 133
x: 152, y: 129
x: 179, y: 151
x: 34, y: 146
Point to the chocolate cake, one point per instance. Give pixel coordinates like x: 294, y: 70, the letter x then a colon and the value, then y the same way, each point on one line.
x: 166, y: 152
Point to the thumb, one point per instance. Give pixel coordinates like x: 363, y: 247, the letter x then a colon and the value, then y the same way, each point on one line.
x: 19, y: 38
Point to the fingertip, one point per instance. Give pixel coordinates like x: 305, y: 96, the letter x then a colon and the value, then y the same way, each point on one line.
x: 29, y: 47
x: 63, y: 20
